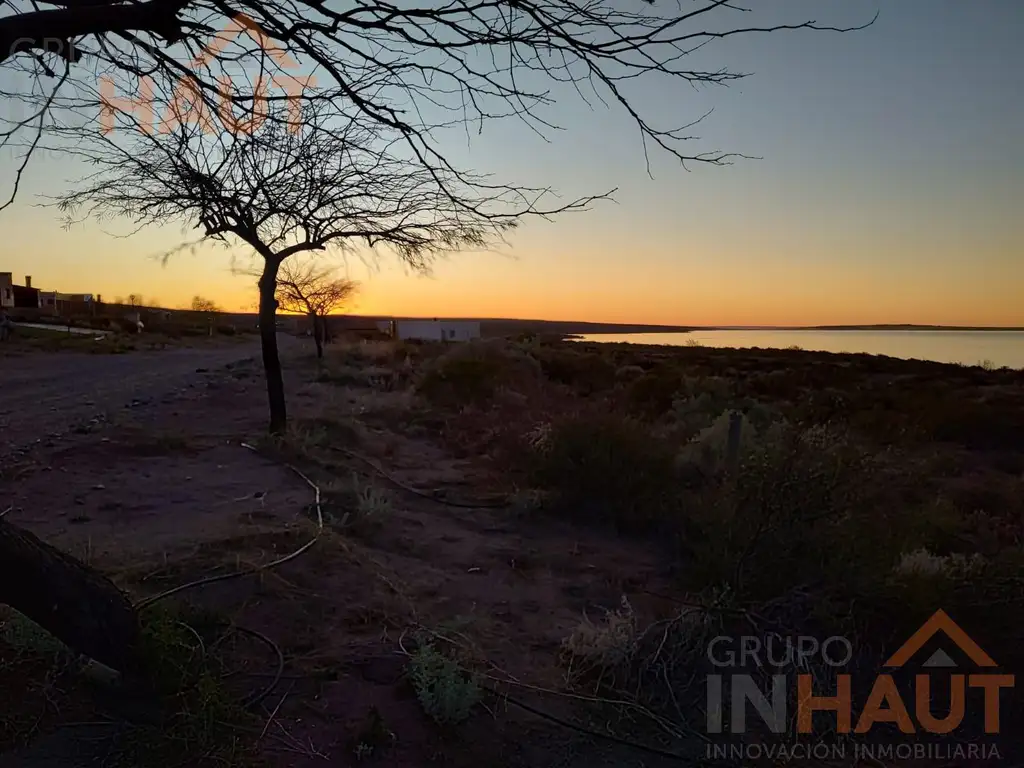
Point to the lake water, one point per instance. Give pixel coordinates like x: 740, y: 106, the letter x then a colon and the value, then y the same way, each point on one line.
x: 991, y: 348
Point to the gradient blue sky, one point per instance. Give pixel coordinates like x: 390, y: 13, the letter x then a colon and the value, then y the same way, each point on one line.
x: 890, y: 190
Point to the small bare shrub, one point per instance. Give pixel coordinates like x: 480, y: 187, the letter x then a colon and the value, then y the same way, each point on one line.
x: 594, y: 649
x: 659, y: 667
x: 358, y: 505
x: 372, y: 502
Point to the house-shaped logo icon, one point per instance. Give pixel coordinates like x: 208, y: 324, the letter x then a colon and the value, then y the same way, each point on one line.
x: 241, y: 23
x: 189, y: 103
x: 940, y: 622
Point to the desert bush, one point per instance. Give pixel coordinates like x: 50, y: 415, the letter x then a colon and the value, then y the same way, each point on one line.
x: 585, y: 371
x: 471, y: 373
x: 597, y: 648
x: 628, y: 373
x: 984, y: 595
x: 606, y: 469
x: 356, y: 505
x: 660, y: 666
x: 652, y: 394
x: 804, y: 498
x: 710, y: 448
x: 373, y: 504
x: 446, y: 692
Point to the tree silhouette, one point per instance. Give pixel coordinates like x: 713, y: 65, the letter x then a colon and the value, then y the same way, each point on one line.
x: 417, y: 68
x: 307, y: 288
x: 201, y: 304
x: 280, y: 192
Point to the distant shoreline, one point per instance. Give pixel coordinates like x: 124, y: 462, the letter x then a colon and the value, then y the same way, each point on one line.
x: 511, y: 326
x: 980, y: 328
x: 900, y: 328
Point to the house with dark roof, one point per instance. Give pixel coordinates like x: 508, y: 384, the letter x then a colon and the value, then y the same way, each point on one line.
x: 17, y: 296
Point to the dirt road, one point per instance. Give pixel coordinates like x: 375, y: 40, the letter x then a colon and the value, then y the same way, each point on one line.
x: 98, y: 448
x: 44, y: 394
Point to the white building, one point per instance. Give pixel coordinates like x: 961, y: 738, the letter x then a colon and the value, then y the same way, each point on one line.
x: 431, y: 330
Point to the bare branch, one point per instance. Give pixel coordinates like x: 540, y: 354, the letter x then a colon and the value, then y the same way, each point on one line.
x: 414, y: 69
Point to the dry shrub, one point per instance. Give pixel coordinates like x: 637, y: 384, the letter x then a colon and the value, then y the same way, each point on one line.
x: 595, y: 649
x: 628, y: 373
x: 810, y: 500
x: 471, y: 373
x: 660, y: 668
x: 609, y: 470
x: 585, y: 371
x: 652, y: 394
x: 363, y: 353
x: 357, y: 505
x: 985, y: 595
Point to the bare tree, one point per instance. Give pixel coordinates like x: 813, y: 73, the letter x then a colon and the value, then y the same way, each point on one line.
x: 419, y: 69
x: 304, y: 287
x: 207, y: 308
x: 201, y: 304
x: 281, y: 192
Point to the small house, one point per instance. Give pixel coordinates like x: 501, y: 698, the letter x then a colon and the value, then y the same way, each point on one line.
x: 432, y: 330
x: 17, y: 296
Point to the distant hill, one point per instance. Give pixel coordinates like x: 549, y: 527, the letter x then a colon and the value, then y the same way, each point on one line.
x: 491, y: 326
x: 511, y: 327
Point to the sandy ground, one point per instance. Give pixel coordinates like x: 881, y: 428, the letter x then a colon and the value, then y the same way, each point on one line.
x: 137, y: 459
x: 43, y: 395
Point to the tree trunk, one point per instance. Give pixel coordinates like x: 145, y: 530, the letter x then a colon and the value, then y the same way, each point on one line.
x: 268, y: 339
x: 69, y: 599
x: 318, y: 336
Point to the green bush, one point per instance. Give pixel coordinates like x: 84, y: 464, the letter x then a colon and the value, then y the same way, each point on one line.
x: 446, y: 692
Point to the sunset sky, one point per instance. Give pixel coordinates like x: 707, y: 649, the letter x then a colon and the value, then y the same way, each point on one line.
x: 891, y: 190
